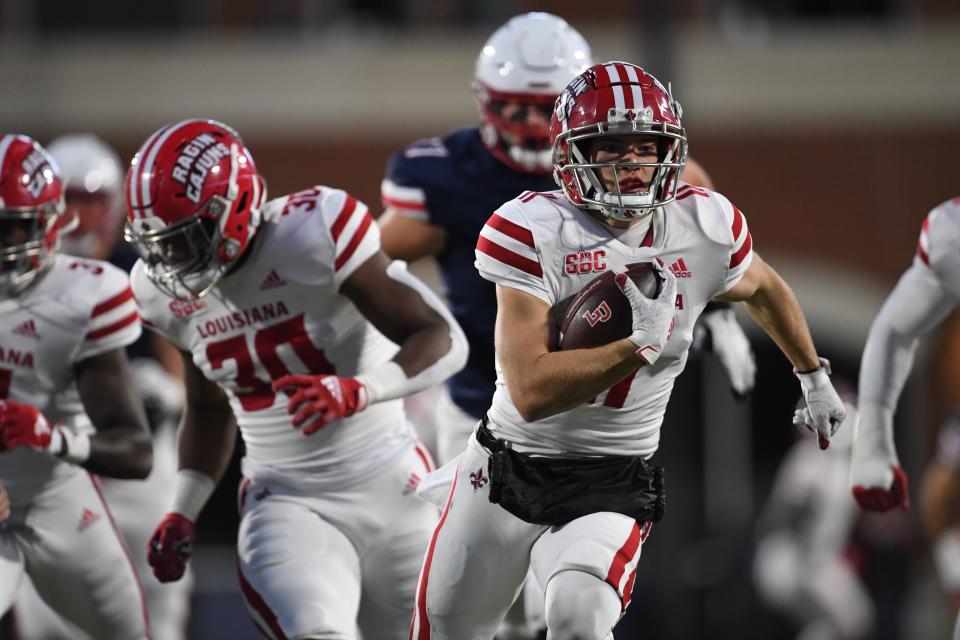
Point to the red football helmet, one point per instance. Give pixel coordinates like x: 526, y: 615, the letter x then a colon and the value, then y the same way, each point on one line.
x: 616, y: 99
x: 193, y: 205
x: 31, y: 204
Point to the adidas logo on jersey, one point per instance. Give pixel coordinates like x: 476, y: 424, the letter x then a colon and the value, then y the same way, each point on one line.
x: 27, y: 329
x: 87, y: 518
x: 272, y: 280
x: 679, y: 269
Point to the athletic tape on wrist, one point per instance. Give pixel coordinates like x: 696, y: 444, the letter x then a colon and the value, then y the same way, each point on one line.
x: 191, y: 490
x: 76, y: 446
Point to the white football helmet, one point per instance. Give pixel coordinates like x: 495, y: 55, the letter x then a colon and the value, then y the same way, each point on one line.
x: 94, y: 187
x: 529, y: 60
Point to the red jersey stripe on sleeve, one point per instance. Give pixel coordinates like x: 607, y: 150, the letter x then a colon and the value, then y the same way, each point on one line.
x: 738, y: 257
x: 508, y: 257
x: 737, y: 223
x: 112, y: 303
x: 924, y: 240
x: 349, y: 205
x: 112, y: 328
x: 402, y: 204
x: 355, y: 241
x: 923, y: 254
x: 511, y: 229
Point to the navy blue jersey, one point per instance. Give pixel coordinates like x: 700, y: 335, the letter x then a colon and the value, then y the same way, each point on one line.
x: 455, y: 183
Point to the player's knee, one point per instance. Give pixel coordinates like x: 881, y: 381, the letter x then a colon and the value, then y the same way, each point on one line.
x: 580, y: 606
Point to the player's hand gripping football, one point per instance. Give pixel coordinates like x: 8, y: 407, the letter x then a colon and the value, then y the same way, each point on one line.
x: 727, y: 341
x: 170, y: 547
x: 876, y: 479
x: 319, y: 400
x: 653, y: 319
x: 22, y: 425
x: 823, y: 411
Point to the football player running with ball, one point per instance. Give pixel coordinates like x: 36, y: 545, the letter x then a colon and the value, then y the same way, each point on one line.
x: 68, y: 408
x: 528, y: 488
x: 439, y: 192
x: 296, y: 327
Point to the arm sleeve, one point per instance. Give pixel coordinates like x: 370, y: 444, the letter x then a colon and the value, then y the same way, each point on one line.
x: 114, y: 321
x: 507, y: 254
x: 916, y: 305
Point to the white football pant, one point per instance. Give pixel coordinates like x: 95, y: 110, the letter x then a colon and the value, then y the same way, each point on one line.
x: 479, y: 554
x: 318, y: 565
x: 137, y: 506
x: 67, y: 543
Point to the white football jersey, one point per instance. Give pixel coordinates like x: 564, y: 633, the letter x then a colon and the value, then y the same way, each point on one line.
x: 925, y: 294
x: 281, y: 312
x: 541, y: 244
x: 78, y: 309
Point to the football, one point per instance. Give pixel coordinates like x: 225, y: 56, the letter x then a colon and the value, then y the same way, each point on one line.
x: 601, y: 313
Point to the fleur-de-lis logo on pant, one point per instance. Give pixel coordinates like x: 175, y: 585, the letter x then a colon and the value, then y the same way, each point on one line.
x: 478, y: 480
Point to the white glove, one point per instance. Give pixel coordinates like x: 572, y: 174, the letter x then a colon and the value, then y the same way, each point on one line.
x: 823, y: 411
x: 652, y: 318
x: 876, y: 479
x: 730, y: 345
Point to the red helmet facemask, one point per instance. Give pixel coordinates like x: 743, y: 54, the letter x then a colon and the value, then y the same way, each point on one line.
x: 516, y: 127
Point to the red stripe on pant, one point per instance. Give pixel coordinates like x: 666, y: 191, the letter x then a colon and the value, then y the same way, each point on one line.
x: 620, y: 562
x: 126, y: 553
x: 260, y: 605
x: 420, y: 612
x: 425, y: 456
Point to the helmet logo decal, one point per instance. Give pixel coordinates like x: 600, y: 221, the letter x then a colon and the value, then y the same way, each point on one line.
x: 195, y: 161
x: 38, y: 169
x: 568, y: 96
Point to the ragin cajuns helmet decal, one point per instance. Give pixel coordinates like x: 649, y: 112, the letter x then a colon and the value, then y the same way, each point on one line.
x: 193, y: 198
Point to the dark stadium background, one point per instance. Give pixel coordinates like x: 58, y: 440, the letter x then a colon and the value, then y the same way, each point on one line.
x: 834, y: 125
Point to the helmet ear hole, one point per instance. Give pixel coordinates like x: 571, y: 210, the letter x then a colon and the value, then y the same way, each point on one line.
x: 242, y: 205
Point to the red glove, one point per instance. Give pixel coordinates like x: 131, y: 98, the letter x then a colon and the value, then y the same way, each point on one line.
x: 170, y: 547
x: 321, y: 399
x: 876, y: 499
x: 22, y: 425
